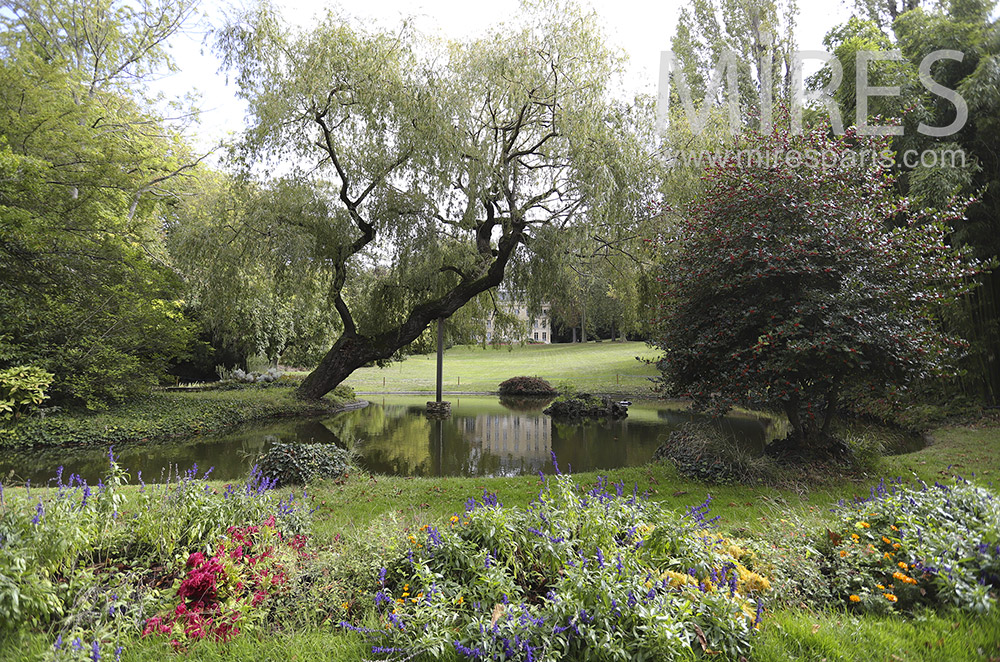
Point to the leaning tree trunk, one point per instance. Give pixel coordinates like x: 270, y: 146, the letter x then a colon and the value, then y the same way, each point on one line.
x: 354, y: 350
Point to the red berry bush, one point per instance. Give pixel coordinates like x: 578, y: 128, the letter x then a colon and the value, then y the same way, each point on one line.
x: 792, y: 279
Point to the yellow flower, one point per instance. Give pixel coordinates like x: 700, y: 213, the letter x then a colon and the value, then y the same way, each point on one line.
x: 459, y: 600
x: 454, y: 519
x: 893, y: 527
x: 854, y: 598
x: 344, y: 605
x: 413, y: 539
x: 880, y: 587
x: 843, y: 553
x: 406, y: 594
x: 890, y: 597
x: 406, y: 587
x: 855, y: 537
x: 895, y: 545
x: 902, y: 565
x: 863, y: 525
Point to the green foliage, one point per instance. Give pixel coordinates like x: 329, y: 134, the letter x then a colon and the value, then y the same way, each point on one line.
x: 579, y: 574
x: 423, y: 163
x: 525, y: 386
x: 170, y: 414
x: 903, y: 548
x: 788, y: 281
x: 21, y: 388
x: 299, y: 464
x: 586, y: 406
x: 87, y: 173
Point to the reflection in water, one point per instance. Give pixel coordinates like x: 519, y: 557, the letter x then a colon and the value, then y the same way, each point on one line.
x: 483, y: 437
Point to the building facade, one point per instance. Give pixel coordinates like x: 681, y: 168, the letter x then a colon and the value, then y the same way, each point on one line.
x: 537, y: 329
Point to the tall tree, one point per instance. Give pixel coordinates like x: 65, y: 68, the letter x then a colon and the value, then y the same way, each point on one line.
x: 759, y: 37
x: 443, y: 160
x: 786, y: 283
x: 86, y: 169
x: 933, y: 169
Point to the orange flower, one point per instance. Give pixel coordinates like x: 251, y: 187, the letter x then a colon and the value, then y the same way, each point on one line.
x: 843, y: 553
x: 890, y: 597
x: 854, y: 598
x: 886, y: 540
x: 902, y: 565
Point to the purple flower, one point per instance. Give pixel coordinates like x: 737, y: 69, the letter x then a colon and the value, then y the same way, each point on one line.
x: 95, y: 652
x: 474, y: 653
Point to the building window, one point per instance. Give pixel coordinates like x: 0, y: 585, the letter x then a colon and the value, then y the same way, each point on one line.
x: 543, y: 335
x: 536, y: 335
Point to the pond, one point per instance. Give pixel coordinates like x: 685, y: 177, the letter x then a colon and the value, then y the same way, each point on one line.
x: 392, y: 435
x: 483, y: 437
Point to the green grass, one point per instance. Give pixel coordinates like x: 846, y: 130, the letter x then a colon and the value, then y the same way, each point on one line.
x: 603, y: 367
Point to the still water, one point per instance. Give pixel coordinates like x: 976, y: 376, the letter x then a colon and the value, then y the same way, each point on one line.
x: 483, y: 437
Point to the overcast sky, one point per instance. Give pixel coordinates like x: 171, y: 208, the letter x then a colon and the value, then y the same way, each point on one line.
x: 642, y: 28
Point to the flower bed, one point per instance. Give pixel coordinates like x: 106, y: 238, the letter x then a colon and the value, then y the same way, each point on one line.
x: 575, y: 573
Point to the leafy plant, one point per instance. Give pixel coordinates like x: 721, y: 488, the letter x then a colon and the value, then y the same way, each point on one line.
x: 906, y: 547
x: 298, y: 464
x: 22, y: 387
x: 701, y: 452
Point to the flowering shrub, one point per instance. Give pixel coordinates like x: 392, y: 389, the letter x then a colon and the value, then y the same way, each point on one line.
x: 93, y: 559
x: 904, y: 547
x: 229, y: 590
x: 576, y: 575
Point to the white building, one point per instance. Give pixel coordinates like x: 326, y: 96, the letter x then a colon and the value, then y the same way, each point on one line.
x: 538, y: 329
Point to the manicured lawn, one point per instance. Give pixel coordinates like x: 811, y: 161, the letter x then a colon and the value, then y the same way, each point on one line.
x: 603, y: 367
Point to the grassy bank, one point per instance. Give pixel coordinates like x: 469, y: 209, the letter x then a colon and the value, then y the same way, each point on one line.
x: 358, y: 522
x: 168, y: 414
x: 603, y: 367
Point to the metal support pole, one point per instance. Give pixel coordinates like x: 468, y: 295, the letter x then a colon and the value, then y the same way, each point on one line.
x: 440, y: 365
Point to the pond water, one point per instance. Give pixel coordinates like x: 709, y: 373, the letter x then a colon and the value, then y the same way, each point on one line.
x: 483, y: 437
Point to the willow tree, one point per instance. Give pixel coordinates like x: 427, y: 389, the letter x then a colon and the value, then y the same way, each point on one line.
x: 443, y: 158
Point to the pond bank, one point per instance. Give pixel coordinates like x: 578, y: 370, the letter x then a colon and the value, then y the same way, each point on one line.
x: 164, y: 415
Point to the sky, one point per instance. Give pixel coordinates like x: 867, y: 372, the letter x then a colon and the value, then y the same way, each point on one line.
x: 642, y: 28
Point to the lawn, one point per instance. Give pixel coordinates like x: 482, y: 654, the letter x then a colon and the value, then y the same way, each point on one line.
x: 595, y: 367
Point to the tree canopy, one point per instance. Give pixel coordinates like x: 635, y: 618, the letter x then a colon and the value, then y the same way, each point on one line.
x: 86, y: 169
x: 786, y: 283
x: 438, y: 161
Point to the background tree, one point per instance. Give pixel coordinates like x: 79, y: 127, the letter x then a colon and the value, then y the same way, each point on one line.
x: 933, y: 169
x: 442, y: 166
x: 87, y: 168
x: 761, y: 35
x: 784, y: 284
